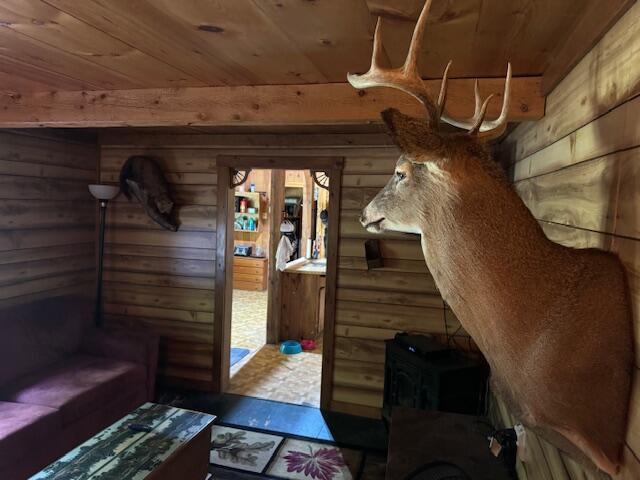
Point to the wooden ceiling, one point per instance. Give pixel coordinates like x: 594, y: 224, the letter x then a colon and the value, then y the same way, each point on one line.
x: 130, y: 44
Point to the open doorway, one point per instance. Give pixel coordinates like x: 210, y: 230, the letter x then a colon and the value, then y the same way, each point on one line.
x: 273, y: 278
x: 257, y: 368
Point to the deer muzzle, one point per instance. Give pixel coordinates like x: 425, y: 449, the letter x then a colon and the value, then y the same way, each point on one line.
x: 371, y: 224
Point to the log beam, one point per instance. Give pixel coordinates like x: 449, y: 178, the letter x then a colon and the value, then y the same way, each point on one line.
x: 331, y: 103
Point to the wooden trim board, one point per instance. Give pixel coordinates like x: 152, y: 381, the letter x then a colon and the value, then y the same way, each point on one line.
x: 274, y: 296
x: 326, y: 389
x: 280, y: 162
x: 224, y: 282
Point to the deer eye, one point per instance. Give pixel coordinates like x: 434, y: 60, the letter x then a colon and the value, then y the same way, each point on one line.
x: 401, y: 175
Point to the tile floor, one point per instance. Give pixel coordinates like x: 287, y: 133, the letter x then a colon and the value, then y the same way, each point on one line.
x: 265, y: 372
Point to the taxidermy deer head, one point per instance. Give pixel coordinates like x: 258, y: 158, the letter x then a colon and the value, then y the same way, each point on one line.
x: 142, y: 177
x: 554, y: 323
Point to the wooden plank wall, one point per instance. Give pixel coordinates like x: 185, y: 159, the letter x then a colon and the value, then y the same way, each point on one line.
x: 47, y: 217
x: 578, y: 171
x: 165, y: 280
x: 374, y: 305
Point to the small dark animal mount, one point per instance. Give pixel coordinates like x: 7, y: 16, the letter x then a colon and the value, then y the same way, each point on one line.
x: 142, y: 177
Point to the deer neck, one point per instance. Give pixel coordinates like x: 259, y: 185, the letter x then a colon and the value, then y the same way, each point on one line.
x: 479, y: 242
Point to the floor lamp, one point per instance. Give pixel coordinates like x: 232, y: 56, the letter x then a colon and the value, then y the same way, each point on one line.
x: 104, y: 193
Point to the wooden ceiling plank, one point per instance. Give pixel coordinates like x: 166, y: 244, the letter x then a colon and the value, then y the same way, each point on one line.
x: 449, y: 36
x: 591, y: 27
x: 151, y: 30
x: 273, y: 104
x: 58, y: 81
x: 480, y: 36
x: 497, y: 34
x: 336, y: 36
x: 241, y: 30
x: 546, y: 23
x: 398, y: 9
x: 46, y: 24
x: 45, y: 57
x: 13, y: 83
x: 119, y: 44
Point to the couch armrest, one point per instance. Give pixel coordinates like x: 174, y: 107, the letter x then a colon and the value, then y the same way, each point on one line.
x: 135, y: 346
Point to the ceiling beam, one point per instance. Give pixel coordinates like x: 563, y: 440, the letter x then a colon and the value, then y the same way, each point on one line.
x: 328, y: 103
x: 115, y: 137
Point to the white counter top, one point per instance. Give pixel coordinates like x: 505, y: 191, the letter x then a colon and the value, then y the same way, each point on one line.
x: 307, y: 266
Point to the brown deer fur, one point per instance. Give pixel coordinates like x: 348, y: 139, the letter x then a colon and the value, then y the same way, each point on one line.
x: 553, y: 322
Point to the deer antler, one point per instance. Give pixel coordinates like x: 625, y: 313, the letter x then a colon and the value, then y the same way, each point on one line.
x: 476, y: 124
x: 405, y: 78
x: 408, y: 80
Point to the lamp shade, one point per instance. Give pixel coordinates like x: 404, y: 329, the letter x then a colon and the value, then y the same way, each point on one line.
x: 104, y: 192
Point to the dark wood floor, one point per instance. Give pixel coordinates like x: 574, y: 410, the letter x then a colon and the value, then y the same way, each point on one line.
x: 283, y: 418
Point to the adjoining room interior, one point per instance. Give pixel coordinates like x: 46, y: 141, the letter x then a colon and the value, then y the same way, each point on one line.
x: 453, y: 247
x: 297, y: 222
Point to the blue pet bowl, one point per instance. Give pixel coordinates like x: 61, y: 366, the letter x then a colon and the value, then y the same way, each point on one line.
x: 290, y: 347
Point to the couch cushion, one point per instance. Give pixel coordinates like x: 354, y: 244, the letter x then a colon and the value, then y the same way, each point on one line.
x: 77, y: 386
x: 40, y: 333
x: 23, y: 425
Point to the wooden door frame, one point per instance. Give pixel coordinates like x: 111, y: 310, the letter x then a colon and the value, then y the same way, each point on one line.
x: 224, y: 259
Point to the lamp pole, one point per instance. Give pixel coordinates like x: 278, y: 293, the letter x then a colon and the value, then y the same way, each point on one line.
x: 103, y: 216
x: 103, y: 193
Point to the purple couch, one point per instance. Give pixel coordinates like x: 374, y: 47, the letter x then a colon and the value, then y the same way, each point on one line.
x: 62, y: 380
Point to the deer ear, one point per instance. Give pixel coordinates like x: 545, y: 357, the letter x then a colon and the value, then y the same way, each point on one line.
x: 411, y: 135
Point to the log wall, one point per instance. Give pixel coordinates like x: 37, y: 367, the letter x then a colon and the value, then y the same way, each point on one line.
x: 47, y: 216
x: 578, y: 171
x: 165, y: 280
x: 374, y: 305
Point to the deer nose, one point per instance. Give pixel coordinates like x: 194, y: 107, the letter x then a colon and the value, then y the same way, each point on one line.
x: 363, y: 218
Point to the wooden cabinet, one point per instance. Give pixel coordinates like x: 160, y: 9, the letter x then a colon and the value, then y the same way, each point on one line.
x: 250, y: 273
x: 302, y: 312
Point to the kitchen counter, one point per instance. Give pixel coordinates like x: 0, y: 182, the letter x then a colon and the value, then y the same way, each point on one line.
x: 307, y: 266
x: 303, y: 298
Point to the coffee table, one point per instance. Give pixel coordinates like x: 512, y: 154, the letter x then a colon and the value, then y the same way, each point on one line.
x: 153, y: 442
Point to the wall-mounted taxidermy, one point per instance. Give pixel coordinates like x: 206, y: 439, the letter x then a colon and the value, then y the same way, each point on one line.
x: 553, y: 322
x: 142, y: 177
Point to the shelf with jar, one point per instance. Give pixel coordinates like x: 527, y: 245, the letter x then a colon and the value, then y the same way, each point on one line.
x: 247, y: 212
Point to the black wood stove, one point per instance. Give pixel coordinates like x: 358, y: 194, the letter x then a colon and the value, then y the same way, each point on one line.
x: 424, y: 374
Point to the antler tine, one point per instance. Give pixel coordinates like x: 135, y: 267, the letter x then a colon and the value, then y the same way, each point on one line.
x: 478, y: 100
x: 442, y: 96
x: 410, y: 66
x: 405, y: 78
x: 479, y: 115
x: 376, y: 57
x: 502, y: 118
x: 471, y: 124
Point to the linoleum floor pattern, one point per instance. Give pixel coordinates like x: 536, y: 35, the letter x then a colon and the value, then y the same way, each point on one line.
x: 249, y: 320
x: 265, y: 372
